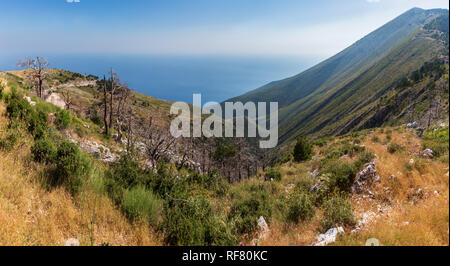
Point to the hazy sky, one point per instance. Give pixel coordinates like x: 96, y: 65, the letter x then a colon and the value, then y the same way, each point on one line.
x: 238, y: 27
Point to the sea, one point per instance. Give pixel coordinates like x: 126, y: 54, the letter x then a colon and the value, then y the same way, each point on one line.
x: 177, y: 78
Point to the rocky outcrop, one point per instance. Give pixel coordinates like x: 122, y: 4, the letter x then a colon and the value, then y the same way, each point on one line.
x: 329, y: 237
x: 100, y: 151
x: 365, y: 178
x: 55, y: 99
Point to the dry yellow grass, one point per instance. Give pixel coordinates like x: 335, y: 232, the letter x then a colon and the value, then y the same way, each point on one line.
x: 33, y: 215
x: 403, y: 216
x: 417, y: 199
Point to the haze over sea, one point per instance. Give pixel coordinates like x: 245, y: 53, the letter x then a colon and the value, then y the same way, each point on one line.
x: 176, y: 78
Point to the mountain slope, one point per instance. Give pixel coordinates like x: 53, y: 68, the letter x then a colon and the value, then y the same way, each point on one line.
x: 325, y: 99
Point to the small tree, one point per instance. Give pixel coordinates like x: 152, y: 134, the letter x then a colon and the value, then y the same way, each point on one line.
x: 302, y: 150
x: 37, y: 72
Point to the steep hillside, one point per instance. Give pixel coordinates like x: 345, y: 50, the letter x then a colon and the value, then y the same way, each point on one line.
x: 339, y: 94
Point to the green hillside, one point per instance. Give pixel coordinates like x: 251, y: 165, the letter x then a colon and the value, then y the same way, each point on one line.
x: 339, y: 94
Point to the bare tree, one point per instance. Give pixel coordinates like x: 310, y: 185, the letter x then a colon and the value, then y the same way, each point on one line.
x: 105, y: 105
x: 157, y: 142
x: 67, y: 99
x: 37, y: 72
x: 122, y: 108
x: 115, y: 82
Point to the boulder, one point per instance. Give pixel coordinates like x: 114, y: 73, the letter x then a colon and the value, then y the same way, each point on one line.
x: 263, y: 227
x: 329, y: 237
x: 428, y: 153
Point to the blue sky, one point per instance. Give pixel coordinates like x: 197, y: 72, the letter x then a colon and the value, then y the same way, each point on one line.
x: 220, y: 27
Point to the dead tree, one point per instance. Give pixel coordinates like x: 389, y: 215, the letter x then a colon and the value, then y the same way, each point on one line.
x: 158, y: 143
x: 105, y: 106
x: 37, y: 72
x: 123, y: 107
x: 67, y: 99
x: 115, y: 82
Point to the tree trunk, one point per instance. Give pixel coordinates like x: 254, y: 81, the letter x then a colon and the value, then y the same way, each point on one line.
x: 105, y: 102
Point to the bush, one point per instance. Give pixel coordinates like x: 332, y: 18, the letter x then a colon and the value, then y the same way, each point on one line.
x: 363, y: 158
x: 18, y: 108
x: 37, y: 124
x: 302, y: 150
x: 300, y: 208
x: 246, y: 212
x: 193, y: 222
x: 342, y: 176
x: 128, y: 172
x: 44, y: 151
x: 141, y: 203
x: 375, y: 139
x: 393, y: 147
x: 71, y: 166
x: 63, y: 119
x: 337, y: 212
x: 438, y: 141
x: 272, y: 173
x: 7, y: 143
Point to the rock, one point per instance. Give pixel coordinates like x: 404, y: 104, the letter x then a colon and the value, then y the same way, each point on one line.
x: 411, y: 162
x: 412, y: 125
x: 314, y: 173
x: 365, y: 178
x: 263, y: 227
x: 32, y: 103
x: 329, y: 237
x: 72, y: 242
x: 428, y: 153
x: 55, y: 99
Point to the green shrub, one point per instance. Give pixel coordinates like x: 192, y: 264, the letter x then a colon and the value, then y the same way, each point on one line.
x: 141, y: 203
x: 408, y: 166
x: 438, y: 141
x: 393, y: 147
x: 246, y: 212
x: 18, y: 108
x: 193, y: 222
x: 302, y: 150
x: 63, y: 119
x: 375, y: 139
x: 9, y: 141
x: 217, y: 183
x: 363, y: 158
x: 342, y: 176
x: 128, y: 172
x: 44, y: 151
x: 337, y: 212
x: 37, y: 124
x: 71, y: 167
x: 274, y: 174
x: 388, y: 137
x: 300, y: 207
